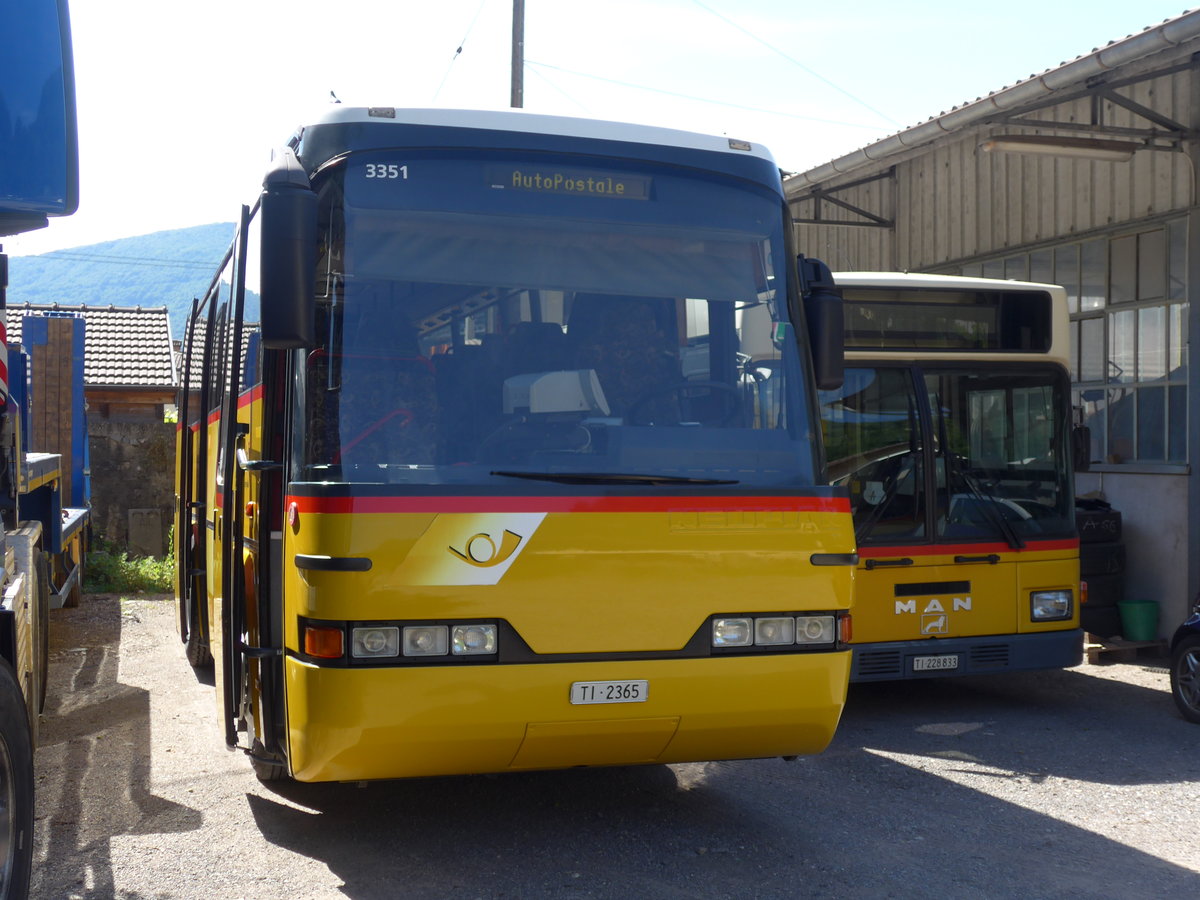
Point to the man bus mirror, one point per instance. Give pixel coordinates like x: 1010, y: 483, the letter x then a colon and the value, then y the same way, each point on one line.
x: 1081, y: 447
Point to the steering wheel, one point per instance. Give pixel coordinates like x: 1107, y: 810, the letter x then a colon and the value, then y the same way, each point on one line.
x: 373, y: 427
x: 731, y: 399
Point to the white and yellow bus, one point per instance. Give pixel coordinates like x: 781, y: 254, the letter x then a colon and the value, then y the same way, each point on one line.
x: 952, y: 434
x: 496, y: 486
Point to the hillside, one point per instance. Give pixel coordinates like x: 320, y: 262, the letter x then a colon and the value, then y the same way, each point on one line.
x: 166, y: 268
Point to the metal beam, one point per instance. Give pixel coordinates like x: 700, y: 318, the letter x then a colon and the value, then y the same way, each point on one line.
x: 819, y: 194
x: 1145, y: 112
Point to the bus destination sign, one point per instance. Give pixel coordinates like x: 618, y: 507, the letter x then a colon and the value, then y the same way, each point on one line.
x: 576, y: 182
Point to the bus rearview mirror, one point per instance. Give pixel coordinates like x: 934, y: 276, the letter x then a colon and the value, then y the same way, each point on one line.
x: 1081, y: 447
x: 288, y: 213
x: 823, y: 316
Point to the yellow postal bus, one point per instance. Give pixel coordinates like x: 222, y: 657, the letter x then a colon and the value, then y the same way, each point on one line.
x: 497, y: 484
x: 952, y: 434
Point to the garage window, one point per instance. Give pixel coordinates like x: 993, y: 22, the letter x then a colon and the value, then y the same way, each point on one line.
x: 1127, y: 297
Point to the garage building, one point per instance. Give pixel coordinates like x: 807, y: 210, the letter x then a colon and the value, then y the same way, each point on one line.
x: 1084, y: 176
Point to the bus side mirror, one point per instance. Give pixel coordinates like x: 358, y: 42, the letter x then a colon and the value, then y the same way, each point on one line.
x: 1081, y: 447
x: 288, y: 208
x: 823, y: 316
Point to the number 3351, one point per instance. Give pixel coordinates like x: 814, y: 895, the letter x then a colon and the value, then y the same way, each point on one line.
x: 387, y: 170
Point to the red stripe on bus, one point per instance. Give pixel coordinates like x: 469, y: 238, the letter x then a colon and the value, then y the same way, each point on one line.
x: 566, y: 504
x: 965, y: 549
x: 245, y: 398
x: 248, y: 397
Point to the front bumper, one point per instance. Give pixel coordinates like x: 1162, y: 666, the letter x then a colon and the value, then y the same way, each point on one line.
x: 361, y: 724
x: 890, y: 661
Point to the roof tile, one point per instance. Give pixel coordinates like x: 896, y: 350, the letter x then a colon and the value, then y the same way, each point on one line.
x: 124, y: 346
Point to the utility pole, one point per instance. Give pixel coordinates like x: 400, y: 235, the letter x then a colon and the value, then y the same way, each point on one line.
x: 518, y: 55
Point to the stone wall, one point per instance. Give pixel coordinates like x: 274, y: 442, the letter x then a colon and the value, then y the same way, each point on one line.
x: 133, y: 481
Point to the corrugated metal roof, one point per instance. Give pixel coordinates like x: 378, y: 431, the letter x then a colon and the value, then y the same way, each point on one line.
x: 1036, y: 88
x: 124, y: 346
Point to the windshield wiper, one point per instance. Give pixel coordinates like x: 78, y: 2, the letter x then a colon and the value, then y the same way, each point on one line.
x: 990, y: 505
x: 987, y: 502
x: 890, y: 489
x: 609, y: 478
x: 891, y: 486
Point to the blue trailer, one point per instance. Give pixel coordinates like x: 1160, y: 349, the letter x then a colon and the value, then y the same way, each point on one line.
x: 39, y: 179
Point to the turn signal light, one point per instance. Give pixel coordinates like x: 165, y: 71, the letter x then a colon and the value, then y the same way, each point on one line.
x: 324, y: 643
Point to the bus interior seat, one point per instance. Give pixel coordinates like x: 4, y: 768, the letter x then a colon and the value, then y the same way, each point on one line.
x: 536, y: 347
x: 626, y: 341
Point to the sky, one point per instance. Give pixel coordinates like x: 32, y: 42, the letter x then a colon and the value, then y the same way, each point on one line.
x: 180, y: 104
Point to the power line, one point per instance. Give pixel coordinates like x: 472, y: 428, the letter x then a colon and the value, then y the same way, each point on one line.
x: 795, y: 62
x: 458, y: 52
x: 146, y: 261
x: 550, y: 83
x: 642, y: 87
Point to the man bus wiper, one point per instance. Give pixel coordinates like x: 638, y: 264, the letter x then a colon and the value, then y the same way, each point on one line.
x: 989, y: 505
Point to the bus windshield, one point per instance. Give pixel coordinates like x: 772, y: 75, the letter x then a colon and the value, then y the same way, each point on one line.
x: 524, y: 322
x: 992, y: 441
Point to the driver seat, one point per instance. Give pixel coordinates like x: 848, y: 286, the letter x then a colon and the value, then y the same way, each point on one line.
x: 631, y: 344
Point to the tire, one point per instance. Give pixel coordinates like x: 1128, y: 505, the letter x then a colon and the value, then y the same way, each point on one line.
x: 1097, y: 525
x: 16, y: 789
x: 267, y: 772
x: 1104, y: 591
x: 198, y: 652
x: 1185, y: 677
x: 1106, y: 558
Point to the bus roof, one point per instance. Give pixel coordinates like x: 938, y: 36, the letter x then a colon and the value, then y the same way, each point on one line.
x: 521, y: 121
x: 921, y: 281
x: 916, y: 289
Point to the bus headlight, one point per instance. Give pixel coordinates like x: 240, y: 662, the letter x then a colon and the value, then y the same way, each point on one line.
x: 775, y: 631
x: 426, y: 640
x: 732, y: 633
x: 469, y: 640
x: 815, y: 630
x: 1050, y: 606
x: 368, y: 642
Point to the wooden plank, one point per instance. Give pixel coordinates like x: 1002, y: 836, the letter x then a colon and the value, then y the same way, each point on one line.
x: 1117, y: 649
x: 51, y: 416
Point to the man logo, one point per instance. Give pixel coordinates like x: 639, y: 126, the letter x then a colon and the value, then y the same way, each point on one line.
x: 934, y: 624
x: 481, y: 551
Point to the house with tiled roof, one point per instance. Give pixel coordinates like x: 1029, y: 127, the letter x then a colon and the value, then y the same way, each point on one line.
x: 129, y: 381
x: 128, y: 371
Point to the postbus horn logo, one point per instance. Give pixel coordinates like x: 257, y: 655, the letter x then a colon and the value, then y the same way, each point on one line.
x: 481, y: 550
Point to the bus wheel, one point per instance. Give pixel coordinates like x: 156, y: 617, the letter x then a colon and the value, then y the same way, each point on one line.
x: 16, y: 788
x: 265, y: 767
x: 198, y: 653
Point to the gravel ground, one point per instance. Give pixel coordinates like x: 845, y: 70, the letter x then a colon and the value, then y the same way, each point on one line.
x: 1079, y: 783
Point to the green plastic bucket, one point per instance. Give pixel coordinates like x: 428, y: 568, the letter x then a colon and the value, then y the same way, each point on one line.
x: 1139, y: 619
